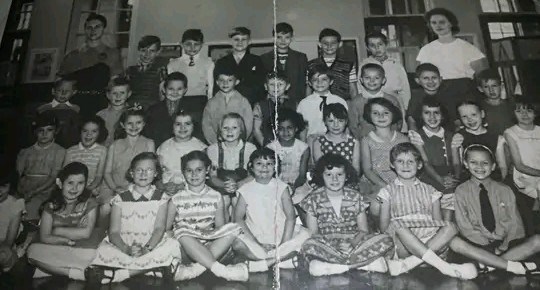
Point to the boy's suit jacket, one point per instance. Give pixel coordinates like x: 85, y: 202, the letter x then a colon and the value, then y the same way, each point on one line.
x: 295, y: 69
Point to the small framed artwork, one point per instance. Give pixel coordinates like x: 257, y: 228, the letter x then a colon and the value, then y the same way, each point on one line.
x: 43, y: 65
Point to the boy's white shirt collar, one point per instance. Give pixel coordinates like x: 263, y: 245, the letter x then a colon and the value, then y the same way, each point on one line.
x: 55, y: 103
x: 398, y: 182
x: 369, y: 95
x: 429, y: 133
x: 186, y: 57
x: 90, y: 148
x: 137, y: 195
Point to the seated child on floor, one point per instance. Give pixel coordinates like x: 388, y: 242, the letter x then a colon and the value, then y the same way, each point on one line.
x: 136, y: 241
x: 68, y: 217
x: 90, y: 152
x: 229, y: 157
x: 38, y: 165
x: 11, y: 212
x: 337, y: 139
x: 266, y: 213
x: 264, y: 112
x: 197, y: 219
x: 376, y: 146
x: 472, y: 116
x: 293, y: 153
x: 171, y: 151
x: 487, y: 215
x: 411, y: 214
x: 121, y: 153
x: 337, y: 221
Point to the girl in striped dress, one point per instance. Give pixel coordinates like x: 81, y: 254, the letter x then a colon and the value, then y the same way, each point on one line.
x: 411, y: 214
x: 197, y: 219
x: 136, y: 241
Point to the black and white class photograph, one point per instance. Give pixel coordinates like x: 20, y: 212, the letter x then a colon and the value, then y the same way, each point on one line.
x: 270, y: 144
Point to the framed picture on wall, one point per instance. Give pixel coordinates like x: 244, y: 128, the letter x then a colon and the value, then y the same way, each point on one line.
x: 42, y: 65
x: 170, y: 50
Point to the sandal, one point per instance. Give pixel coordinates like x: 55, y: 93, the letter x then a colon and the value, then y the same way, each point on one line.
x: 529, y: 272
x: 95, y: 275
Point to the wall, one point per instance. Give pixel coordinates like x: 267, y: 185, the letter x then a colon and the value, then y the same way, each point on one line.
x: 4, y: 11
x: 217, y: 17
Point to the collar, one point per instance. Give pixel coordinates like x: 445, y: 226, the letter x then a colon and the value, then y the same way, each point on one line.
x: 238, y: 55
x: 55, y: 103
x: 239, y: 145
x: 429, y: 133
x: 84, y: 148
x: 36, y: 146
x: 399, y: 183
x: 378, y: 139
x: 136, y: 195
x: 368, y: 95
x: 485, y: 182
x: 185, y: 57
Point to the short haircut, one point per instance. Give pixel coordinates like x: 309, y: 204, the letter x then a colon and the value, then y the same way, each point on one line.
x: 45, y: 119
x: 261, y: 153
x: 528, y: 103
x: 103, y: 132
x: 279, y: 74
x: 118, y: 82
x: 149, y: 40
x: 478, y: 148
x: 446, y: 13
x: 329, y: 32
x: 426, y: 67
x: 195, y: 155
x: 319, y: 70
x: 373, y: 66
x: 337, y: 110
x: 183, y: 113
x: 175, y: 76
x: 405, y: 147
x: 239, y: 118
x: 145, y: 156
x: 470, y: 103
x: 225, y: 70
x: 434, y: 103
x: 239, y: 31
x: 65, y: 79
x: 95, y: 16
x: 375, y: 34
x: 488, y: 74
x: 286, y: 114
x: 193, y: 34
x: 283, y: 27
x: 330, y: 161
x: 396, y: 113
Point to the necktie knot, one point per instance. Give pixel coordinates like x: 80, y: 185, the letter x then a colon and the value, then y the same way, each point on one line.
x: 191, y: 60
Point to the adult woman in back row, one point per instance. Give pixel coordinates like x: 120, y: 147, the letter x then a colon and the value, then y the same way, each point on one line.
x: 457, y: 60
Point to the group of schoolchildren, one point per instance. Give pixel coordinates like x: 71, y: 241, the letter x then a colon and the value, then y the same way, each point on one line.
x: 311, y: 164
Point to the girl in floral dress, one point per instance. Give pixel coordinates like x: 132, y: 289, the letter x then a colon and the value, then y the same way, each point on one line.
x: 136, y: 241
x: 336, y: 217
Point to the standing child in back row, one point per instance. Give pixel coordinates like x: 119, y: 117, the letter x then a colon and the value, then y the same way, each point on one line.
x: 499, y: 111
x: 342, y: 72
x: 198, y: 69
x: 246, y: 66
x: 292, y: 63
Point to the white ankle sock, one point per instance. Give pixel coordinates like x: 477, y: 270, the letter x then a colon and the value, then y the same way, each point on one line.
x: 218, y: 269
x: 412, y: 262
x: 431, y: 258
x: 287, y: 264
x: 379, y: 265
x: 191, y: 271
x: 76, y: 274
x: 257, y: 266
x: 320, y: 268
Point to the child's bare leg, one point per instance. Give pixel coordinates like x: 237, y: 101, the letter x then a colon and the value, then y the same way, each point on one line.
x: 530, y: 247
x: 460, y: 246
x: 227, y: 207
x: 197, y: 251
x: 220, y: 246
x: 417, y: 248
x: 242, y: 248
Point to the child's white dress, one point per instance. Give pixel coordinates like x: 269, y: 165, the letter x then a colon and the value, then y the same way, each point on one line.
x: 139, y: 214
x: 289, y: 158
x: 266, y: 218
x: 528, y: 143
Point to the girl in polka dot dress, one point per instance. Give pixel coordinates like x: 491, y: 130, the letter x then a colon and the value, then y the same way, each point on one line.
x: 337, y: 140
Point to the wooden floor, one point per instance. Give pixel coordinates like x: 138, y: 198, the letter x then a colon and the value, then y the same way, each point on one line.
x: 420, y: 279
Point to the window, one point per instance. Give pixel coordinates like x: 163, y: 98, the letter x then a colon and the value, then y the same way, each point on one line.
x: 508, y: 6
x: 397, y: 7
x: 118, y: 14
x: 15, y: 42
